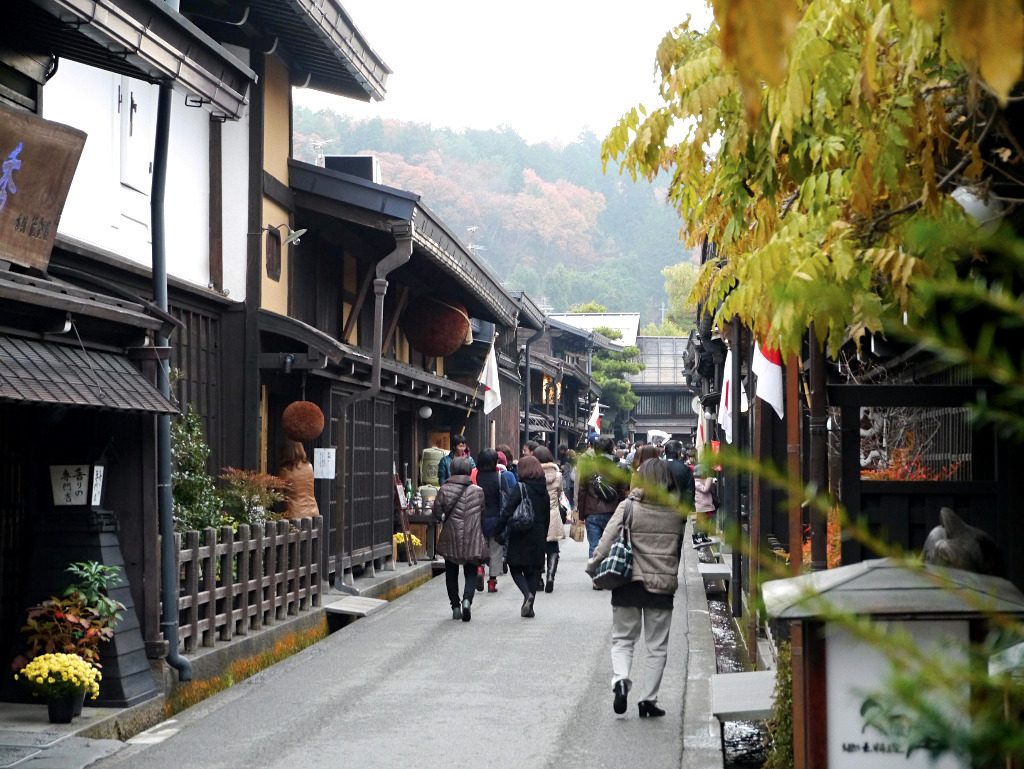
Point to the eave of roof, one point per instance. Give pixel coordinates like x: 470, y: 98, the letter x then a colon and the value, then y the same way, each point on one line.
x: 326, y: 50
x: 317, y: 341
x: 53, y: 295
x: 530, y: 315
x: 595, y: 338
x: 143, y: 39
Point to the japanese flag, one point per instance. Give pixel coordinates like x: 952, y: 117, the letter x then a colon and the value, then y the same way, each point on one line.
x: 489, y: 379
x: 725, y: 403
x: 767, y: 365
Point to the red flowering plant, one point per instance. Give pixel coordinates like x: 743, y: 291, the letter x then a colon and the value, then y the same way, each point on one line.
x: 80, y: 619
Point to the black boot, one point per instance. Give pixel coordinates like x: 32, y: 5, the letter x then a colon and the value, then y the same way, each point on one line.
x: 549, y: 586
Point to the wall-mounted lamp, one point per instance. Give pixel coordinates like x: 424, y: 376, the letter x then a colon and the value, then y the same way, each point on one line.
x: 291, y: 236
x: 426, y: 412
x: 289, y: 361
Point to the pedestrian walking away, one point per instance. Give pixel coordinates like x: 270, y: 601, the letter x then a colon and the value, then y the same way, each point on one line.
x: 524, y: 549
x: 496, y: 482
x: 556, y: 527
x: 645, y: 602
x: 682, y: 476
x: 459, y: 505
x: 599, y: 492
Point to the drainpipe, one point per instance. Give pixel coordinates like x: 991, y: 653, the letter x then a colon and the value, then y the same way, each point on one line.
x: 403, y: 233
x: 526, y: 410
x: 558, y: 387
x: 168, y: 559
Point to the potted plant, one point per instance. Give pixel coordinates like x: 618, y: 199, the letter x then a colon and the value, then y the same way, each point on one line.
x: 400, y: 545
x: 249, y: 496
x: 80, y: 619
x: 63, y: 680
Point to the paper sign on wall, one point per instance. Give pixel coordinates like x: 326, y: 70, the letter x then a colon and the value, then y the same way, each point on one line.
x: 324, y: 463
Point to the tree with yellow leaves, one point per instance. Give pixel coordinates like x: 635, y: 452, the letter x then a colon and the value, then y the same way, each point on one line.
x: 805, y: 139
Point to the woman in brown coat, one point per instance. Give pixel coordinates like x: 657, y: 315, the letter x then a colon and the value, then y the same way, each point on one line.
x: 297, y: 470
x: 459, y: 504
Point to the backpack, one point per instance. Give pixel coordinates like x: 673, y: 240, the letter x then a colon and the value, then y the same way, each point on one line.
x: 602, y: 490
x: 522, y: 516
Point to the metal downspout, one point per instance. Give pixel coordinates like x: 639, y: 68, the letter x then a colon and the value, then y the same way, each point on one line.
x: 403, y: 233
x: 527, y: 394
x: 165, y: 512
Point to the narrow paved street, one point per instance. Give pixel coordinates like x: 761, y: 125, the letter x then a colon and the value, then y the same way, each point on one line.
x: 410, y: 687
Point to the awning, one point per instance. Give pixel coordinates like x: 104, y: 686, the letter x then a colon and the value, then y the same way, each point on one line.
x: 42, y: 372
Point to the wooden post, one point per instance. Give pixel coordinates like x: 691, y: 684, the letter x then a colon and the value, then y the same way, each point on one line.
x: 818, y: 452
x: 757, y: 439
x: 793, y: 409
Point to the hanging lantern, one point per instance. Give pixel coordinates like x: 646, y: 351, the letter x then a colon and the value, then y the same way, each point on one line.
x: 302, y: 421
x: 436, y: 327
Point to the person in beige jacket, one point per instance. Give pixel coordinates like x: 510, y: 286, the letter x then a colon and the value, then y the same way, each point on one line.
x: 556, y: 527
x: 656, y: 532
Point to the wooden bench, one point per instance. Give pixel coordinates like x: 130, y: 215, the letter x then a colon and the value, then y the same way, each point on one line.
x: 742, y: 697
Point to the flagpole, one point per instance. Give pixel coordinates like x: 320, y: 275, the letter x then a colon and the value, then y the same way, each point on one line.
x: 469, y: 411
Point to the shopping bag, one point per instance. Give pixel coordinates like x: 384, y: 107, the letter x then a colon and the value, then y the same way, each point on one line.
x: 578, y: 531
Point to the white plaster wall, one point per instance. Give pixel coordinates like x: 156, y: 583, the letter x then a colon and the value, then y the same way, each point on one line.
x: 105, y: 213
x: 235, y: 154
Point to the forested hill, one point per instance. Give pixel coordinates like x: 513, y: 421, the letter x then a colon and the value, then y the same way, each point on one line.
x: 544, y: 218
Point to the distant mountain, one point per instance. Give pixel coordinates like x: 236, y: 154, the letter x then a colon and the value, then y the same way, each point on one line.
x: 544, y: 218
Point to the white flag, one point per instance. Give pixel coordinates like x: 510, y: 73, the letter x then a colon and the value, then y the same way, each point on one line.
x: 595, y: 417
x: 767, y: 364
x: 489, y: 379
x: 725, y: 403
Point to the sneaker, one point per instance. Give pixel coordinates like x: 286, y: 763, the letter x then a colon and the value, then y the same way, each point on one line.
x: 492, y: 585
x: 466, y: 613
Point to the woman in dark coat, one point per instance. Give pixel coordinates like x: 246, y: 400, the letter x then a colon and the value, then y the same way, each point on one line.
x: 525, y: 549
x: 460, y: 505
x: 489, y: 478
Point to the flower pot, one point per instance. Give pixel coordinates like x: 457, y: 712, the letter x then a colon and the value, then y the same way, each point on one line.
x: 61, y: 709
x: 79, y: 702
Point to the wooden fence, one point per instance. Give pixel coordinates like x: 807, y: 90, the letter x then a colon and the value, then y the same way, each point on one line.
x: 233, y: 582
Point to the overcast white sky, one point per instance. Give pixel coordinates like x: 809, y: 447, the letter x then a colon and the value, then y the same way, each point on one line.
x: 547, y: 68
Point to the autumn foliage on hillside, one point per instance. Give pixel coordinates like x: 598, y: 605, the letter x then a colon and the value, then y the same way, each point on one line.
x: 543, y: 218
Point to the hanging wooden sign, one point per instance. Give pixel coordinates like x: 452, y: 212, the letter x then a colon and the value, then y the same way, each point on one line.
x: 38, y: 159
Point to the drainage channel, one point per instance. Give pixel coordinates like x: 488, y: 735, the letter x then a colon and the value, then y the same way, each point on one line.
x: 744, y: 740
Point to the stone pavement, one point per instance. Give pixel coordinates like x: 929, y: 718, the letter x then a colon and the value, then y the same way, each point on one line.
x: 407, y: 686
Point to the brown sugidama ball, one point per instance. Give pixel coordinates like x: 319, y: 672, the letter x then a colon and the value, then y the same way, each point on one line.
x: 302, y: 421
x: 435, y: 328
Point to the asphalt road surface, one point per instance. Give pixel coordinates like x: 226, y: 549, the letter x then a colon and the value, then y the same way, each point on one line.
x: 409, y: 687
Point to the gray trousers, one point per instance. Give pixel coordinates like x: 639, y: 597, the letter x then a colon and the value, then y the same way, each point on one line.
x: 626, y: 625
x: 497, y: 552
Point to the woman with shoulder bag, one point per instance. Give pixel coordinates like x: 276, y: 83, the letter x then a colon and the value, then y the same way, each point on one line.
x: 645, y: 602
x: 524, y: 548
x: 460, y: 505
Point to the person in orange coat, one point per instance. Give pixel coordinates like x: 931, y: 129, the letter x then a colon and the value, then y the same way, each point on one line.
x: 297, y: 470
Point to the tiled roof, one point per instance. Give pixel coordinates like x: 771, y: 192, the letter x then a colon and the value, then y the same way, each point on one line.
x: 32, y: 371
